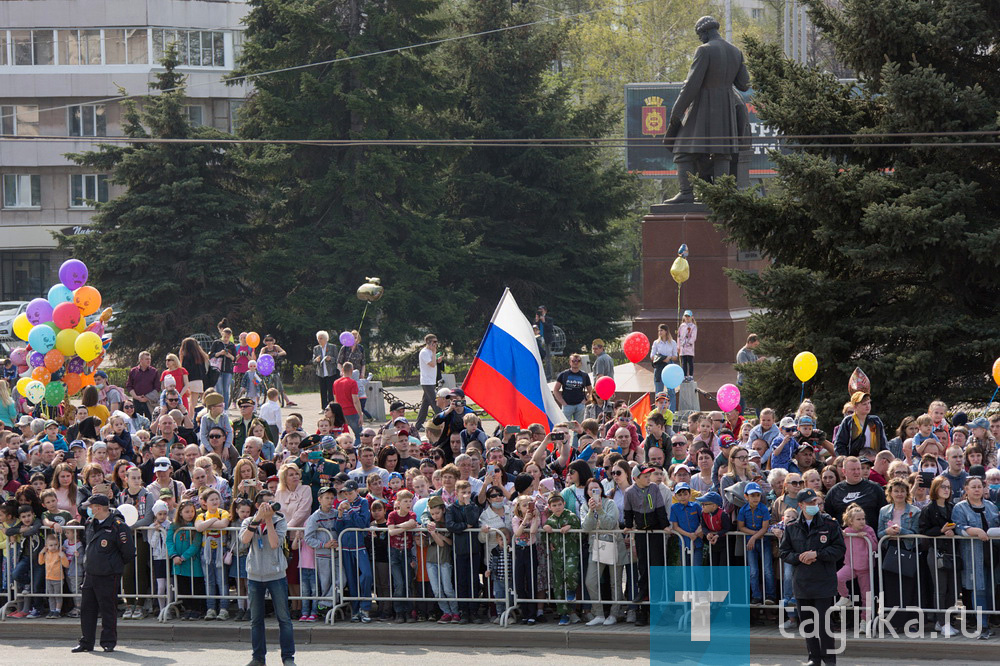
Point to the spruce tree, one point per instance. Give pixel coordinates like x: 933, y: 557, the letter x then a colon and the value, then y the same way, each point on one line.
x: 334, y: 216
x: 541, y: 216
x: 885, y: 256
x: 170, y: 251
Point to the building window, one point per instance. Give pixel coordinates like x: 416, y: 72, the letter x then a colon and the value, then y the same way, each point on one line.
x: 87, y: 120
x: 20, y: 120
x: 24, y: 275
x: 21, y: 191
x: 3, y: 48
x: 32, y: 47
x: 195, y: 114
x: 126, y: 46
x: 757, y: 14
x: 234, y: 114
x: 85, y: 189
x: 79, y: 47
x: 195, y: 48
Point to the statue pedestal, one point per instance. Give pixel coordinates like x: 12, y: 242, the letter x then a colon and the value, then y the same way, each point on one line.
x: 719, y: 305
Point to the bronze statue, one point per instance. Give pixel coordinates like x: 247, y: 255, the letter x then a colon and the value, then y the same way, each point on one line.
x: 704, y: 125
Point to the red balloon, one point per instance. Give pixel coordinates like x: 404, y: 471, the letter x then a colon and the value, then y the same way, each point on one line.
x: 66, y: 315
x: 604, y: 388
x: 636, y: 346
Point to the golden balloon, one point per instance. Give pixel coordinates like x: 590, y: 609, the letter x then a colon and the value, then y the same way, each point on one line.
x: 371, y: 290
x: 680, y: 271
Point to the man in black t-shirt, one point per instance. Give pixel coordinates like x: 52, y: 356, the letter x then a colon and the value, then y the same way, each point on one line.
x: 223, y: 356
x: 571, y: 389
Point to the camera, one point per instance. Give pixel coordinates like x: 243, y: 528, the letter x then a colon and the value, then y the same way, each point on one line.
x: 558, y: 437
x: 276, y: 506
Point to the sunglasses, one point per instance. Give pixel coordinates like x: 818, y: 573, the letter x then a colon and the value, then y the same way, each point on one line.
x: 173, y: 399
x: 128, y: 407
x: 438, y: 458
x: 795, y: 483
x: 522, y: 452
x: 617, y: 473
x: 215, y: 436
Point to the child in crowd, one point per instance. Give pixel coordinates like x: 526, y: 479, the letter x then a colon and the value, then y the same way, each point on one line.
x: 860, y: 549
x: 156, y: 537
x: 73, y: 549
x: 251, y: 381
x: 564, y: 551
x: 55, y: 562
x: 715, y: 524
x: 525, y: 523
x: 319, y: 536
x: 354, y: 511
x: 53, y: 518
x: 439, y: 561
x: 402, y: 556
x: 270, y: 413
x: 460, y: 518
x: 378, y: 544
x: 787, y: 570
x: 210, y: 523
x: 307, y: 578
x: 184, y: 551
x: 26, y: 535
x: 753, y: 520
x: 685, y: 519
x: 51, y: 434
x: 237, y: 556
x: 6, y: 521
x: 687, y: 334
x: 395, y: 485
x: 472, y: 434
x: 656, y: 433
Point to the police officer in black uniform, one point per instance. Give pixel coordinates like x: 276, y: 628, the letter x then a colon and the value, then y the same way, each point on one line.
x: 812, y: 545
x: 109, y: 544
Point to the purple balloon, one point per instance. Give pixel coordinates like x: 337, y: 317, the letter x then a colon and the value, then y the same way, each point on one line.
x: 75, y: 365
x: 18, y: 355
x: 347, y: 339
x: 36, y: 360
x: 39, y: 311
x: 73, y: 273
x: 265, y: 364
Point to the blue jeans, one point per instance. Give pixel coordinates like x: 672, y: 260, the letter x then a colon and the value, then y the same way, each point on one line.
x: 400, y: 569
x: 358, y: 569
x: 574, y: 412
x: 761, y: 550
x: 440, y: 575
x: 307, y: 581
x: 695, y: 556
x: 354, y: 421
x: 279, y: 596
x: 225, y: 386
x: 216, y: 582
x: 31, y: 579
x: 788, y: 598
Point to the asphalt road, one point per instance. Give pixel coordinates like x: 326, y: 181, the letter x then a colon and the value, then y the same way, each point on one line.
x: 155, y: 653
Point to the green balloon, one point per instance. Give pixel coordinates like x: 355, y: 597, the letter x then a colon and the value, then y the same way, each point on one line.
x: 54, y: 392
x: 52, y: 325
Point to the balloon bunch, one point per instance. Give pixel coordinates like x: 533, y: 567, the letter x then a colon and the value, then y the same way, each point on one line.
x: 63, y: 352
x: 265, y: 362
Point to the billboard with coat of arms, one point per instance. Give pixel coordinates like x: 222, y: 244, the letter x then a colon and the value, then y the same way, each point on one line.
x: 647, y: 115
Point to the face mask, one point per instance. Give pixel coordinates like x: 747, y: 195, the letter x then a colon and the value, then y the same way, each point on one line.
x: 90, y: 512
x: 811, y: 509
x: 930, y: 469
x: 995, y: 486
x: 497, y: 505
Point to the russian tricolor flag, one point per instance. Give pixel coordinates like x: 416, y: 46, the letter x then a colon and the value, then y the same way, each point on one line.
x: 507, y: 378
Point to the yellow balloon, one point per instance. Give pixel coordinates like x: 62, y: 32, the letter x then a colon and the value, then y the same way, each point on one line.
x: 82, y: 326
x: 680, y: 271
x: 88, y: 346
x: 65, y: 340
x: 805, y: 365
x: 22, y: 327
x: 22, y: 385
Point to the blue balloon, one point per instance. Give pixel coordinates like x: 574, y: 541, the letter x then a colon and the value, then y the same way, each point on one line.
x: 42, y: 339
x: 672, y: 376
x: 60, y: 293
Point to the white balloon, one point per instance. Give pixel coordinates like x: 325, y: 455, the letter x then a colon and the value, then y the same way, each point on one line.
x: 129, y: 513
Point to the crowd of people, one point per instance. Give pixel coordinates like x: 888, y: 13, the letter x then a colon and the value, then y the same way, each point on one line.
x: 452, y: 524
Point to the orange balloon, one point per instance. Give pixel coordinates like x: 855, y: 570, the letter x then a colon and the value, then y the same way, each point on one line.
x: 73, y: 383
x: 42, y: 374
x: 54, y: 360
x: 87, y: 299
x: 253, y: 339
x: 996, y: 371
x: 87, y: 380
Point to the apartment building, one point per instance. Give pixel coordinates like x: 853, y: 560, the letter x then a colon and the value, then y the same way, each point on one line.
x: 61, y: 64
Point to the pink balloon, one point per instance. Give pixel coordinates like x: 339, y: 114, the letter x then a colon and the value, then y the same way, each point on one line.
x: 728, y: 397
x: 604, y: 388
x: 18, y: 355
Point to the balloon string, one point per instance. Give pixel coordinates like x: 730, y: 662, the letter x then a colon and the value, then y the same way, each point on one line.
x: 678, y: 309
x: 802, y: 396
x: 993, y: 396
x: 367, y: 303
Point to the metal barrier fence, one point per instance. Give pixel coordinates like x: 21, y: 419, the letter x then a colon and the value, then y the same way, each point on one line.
x: 604, y: 571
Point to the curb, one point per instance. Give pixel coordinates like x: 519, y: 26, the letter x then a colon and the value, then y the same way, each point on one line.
x: 625, y: 639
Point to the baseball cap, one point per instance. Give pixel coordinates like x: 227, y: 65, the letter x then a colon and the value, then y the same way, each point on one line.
x: 726, y: 440
x: 397, y: 404
x: 396, y: 475
x: 24, y: 421
x: 101, y: 373
x: 341, y: 477
x: 646, y: 470
x: 752, y: 488
x: 806, y: 495
x: 688, y: 313
x: 444, y: 393
x: 161, y: 464
x: 805, y: 419
x: 980, y: 422
x: 787, y: 423
x: 662, y: 395
x: 710, y: 498
x: 859, y: 396
x: 403, y: 431
x: 77, y: 444
x: 325, y: 489
x: 681, y: 486
x: 51, y: 422
x: 350, y: 485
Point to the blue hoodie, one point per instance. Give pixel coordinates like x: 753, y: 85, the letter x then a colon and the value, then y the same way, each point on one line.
x: 358, y: 514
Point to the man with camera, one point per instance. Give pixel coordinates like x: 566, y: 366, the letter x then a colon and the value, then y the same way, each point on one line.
x: 266, y: 563
x: 450, y: 419
x: 545, y: 329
